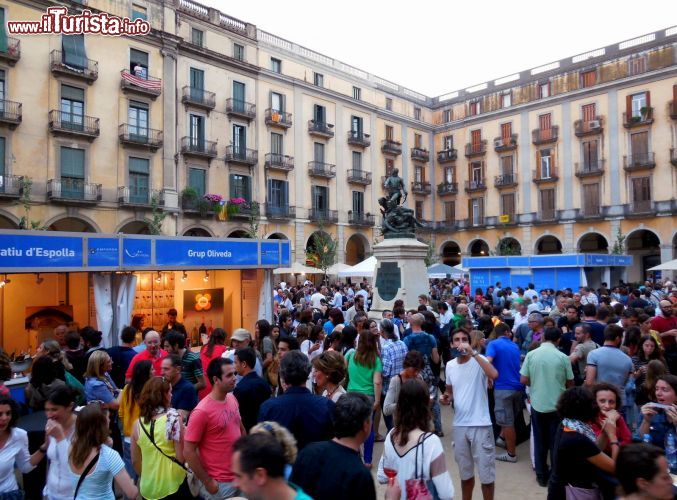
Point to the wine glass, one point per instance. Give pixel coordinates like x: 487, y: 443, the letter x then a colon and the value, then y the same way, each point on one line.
x: 390, y: 465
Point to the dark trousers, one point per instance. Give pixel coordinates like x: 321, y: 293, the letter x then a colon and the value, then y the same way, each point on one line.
x: 387, y: 419
x: 545, y: 427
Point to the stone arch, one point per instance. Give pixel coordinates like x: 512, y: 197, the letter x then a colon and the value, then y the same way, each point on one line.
x: 644, y: 245
x: 73, y: 224
x: 309, y: 241
x: 478, y: 248
x: 198, y: 232
x: 277, y: 236
x: 239, y: 233
x: 548, y: 244
x: 8, y: 221
x: 357, y: 249
x: 450, y: 253
x: 134, y: 226
x: 592, y: 242
x: 509, y: 245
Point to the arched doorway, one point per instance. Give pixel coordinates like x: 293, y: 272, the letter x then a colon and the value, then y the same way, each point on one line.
x: 478, y: 248
x: 548, y: 245
x: 239, y: 233
x: 277, y: 236
x: 198, y: 232
x: 73, y: 225
x: 357, y: 247
x: 593, y: 243
x: 645, y: 247
x: 508, y: 246
x: 310, y: 246
x: 135, y: 227
x: 7, y: 223
x: 451, y: 253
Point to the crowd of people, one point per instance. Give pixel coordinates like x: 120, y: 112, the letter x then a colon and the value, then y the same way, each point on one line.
x: 292, y: 408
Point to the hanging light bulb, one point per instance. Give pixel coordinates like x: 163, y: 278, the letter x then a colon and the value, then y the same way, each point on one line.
x: 158, y: 279
x: 39, y: 279
x: 5, y: 281
x: 184, y: 277
x: 206, y: 278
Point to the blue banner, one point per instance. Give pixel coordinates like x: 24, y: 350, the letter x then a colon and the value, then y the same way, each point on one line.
x: 40, y: 251
x: 270, y: 253
x: 103, y: 252
x: 136, y: 252
x: 286, y: 254
x: 206, y: 252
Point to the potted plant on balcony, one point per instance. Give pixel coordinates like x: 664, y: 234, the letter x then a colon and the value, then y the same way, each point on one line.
x: 645, y: 112
x: 235, y: 205
x: 212, y: 203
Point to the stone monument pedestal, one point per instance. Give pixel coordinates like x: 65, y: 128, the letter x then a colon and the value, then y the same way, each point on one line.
x: 400, y: 274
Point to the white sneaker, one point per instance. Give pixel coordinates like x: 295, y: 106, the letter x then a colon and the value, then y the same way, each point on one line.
x: 500, y: 442
x: 504, y: 457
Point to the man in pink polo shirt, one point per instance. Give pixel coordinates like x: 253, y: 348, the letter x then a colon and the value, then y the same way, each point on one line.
x: 153, y: 353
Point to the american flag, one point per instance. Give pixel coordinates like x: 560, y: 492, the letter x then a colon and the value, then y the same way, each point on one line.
x: 152, y: 84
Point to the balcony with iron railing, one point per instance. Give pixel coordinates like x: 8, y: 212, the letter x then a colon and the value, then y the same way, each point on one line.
x: 505, y: 180
x: 644, y: 118
x: 447, y: 188
x: 502, y: 144
x: 275, y: 161
x: 640, y: 207
x: 73, y: 191
x: 590, y: 211
x: 584, y: 128
x: 321, y: 169
x: 673, y: 109
x: 242, y: 156
x: 198, y: 148
x: 278, y: 212
x: 245, y: 211
x: 444, y: 226
x: 134, y: 136
x: 545, y: 135
x: 11, y: 113
x: 240, y: 109
x: 590, y: 168
x: 474, y: 222
x: 197, y: 206
x: 545, y: 175
x: 12, y: 52
x: 673, y: 156
x: 198, y: 98
x: 11, y: 187
x: 321, y: 129
x: 447, y: 155
x: 145, y: 85
x: 391, y: 147
x: 474, y: 149
x: 72, y: 124
x: 357, y: 176
x: 276, y: 118
x: 357, y: 138
x: 475, y: 185
x: 423, y: 188
x: 640, y: 161
x: 361, y: 219
x: 83, y: 69
x: 323, y: 215
x: 420, y: 154
x: 139, y: 197
x: 547, y: 214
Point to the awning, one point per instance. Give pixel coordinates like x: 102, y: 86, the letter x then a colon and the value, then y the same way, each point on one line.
x: 297, y: 268
x: 364, y: 269
x: 670, y: 265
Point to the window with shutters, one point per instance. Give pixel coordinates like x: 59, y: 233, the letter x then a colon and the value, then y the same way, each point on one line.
x: 506, y: 132
x: 139, y: 180
x: 319, y: 114
x: 588, y: 78
x: 390, y: 165
x: 589, y: 112
x: 239, y: 93
x: 591, y: 204
x: 72, y: 107
x: 547, y: 202
x: 318, y: 152
x: 639, y: 148
x: 389, y: 132
x: 450, y: 211
x: 356, y: 127
x: 277, y: 102
x: 3, y: 171
x: 358, y: 203
x: 476, y: 174
x: 320, y: 196
x: 357, y: 160
x: 544, y: 90
x: 318, y: 79
x: 636, y: 65
x: 137, y: 115
x: 418, y: 209
x: 276, y: 143
x: 241, y: 186
x: 418, y: 139
x: 278, y: 192
x: 545, y: 125
x: 474, y: 108
x: 508, y: 205
x: 641, y: 194
x: 197, y: 132
x: 238, y: 51
x: 638, y: 102
x: 197, y: 179
x: 72, y: 166
x: 447, y: 115
x: 197, y: 84
x: 545, y: 163
x: 476, y: 211
x: 240, y: 141
x: 449, y: 175
x: 357, y: 93
x: 590, y: 156
x: 419, y: 174
x: 506, y: 100
x: 448, y: 142
x: 506, y: 167
x: 73, y: 51
x: 476, y: 141
x: 197, y: 37
x: 417, y: 113
x: 138, y: 63
x: 139, y: 12
x: 275, y: 65
x: 389, y: 104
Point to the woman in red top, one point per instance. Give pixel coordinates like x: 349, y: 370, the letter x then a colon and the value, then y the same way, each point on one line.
x: 212, y: 350
x: 608, y: 397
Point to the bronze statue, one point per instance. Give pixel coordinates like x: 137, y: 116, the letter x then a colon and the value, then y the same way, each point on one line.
x: 398, y: 221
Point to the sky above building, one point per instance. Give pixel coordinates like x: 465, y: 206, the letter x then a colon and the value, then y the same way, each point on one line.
x: 436, y: 47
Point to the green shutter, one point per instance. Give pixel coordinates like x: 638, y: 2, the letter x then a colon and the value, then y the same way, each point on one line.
x: 197, y: 79
x: 197, y: 180
x: 73, y: 163
x: 247, y: 188
x: 72, y: 93
x: 3, y: 32
x: 73, y: 47
x: 139, y: 165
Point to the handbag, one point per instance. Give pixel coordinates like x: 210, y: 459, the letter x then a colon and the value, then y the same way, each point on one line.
x: 191, y: 478
x: 419, y: 488
x: 576, y: 493
x: 91, y: 464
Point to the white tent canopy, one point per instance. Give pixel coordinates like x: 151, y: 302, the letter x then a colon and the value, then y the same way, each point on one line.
x: 670, y: 265
x: 364, y: 269
x: 337, y: 268
x: 296, y: 268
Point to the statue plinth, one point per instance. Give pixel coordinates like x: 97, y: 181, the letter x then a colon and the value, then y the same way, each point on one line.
x: 400, y: 273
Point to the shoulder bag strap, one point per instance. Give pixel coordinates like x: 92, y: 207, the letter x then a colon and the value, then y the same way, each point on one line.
x: 91, y: 464
x: 150, y: 437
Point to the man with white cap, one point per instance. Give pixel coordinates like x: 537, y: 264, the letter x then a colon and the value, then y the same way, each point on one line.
x: 240, y: 339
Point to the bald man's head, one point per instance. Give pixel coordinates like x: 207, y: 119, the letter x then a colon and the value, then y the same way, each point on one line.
x: 416, y: 321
